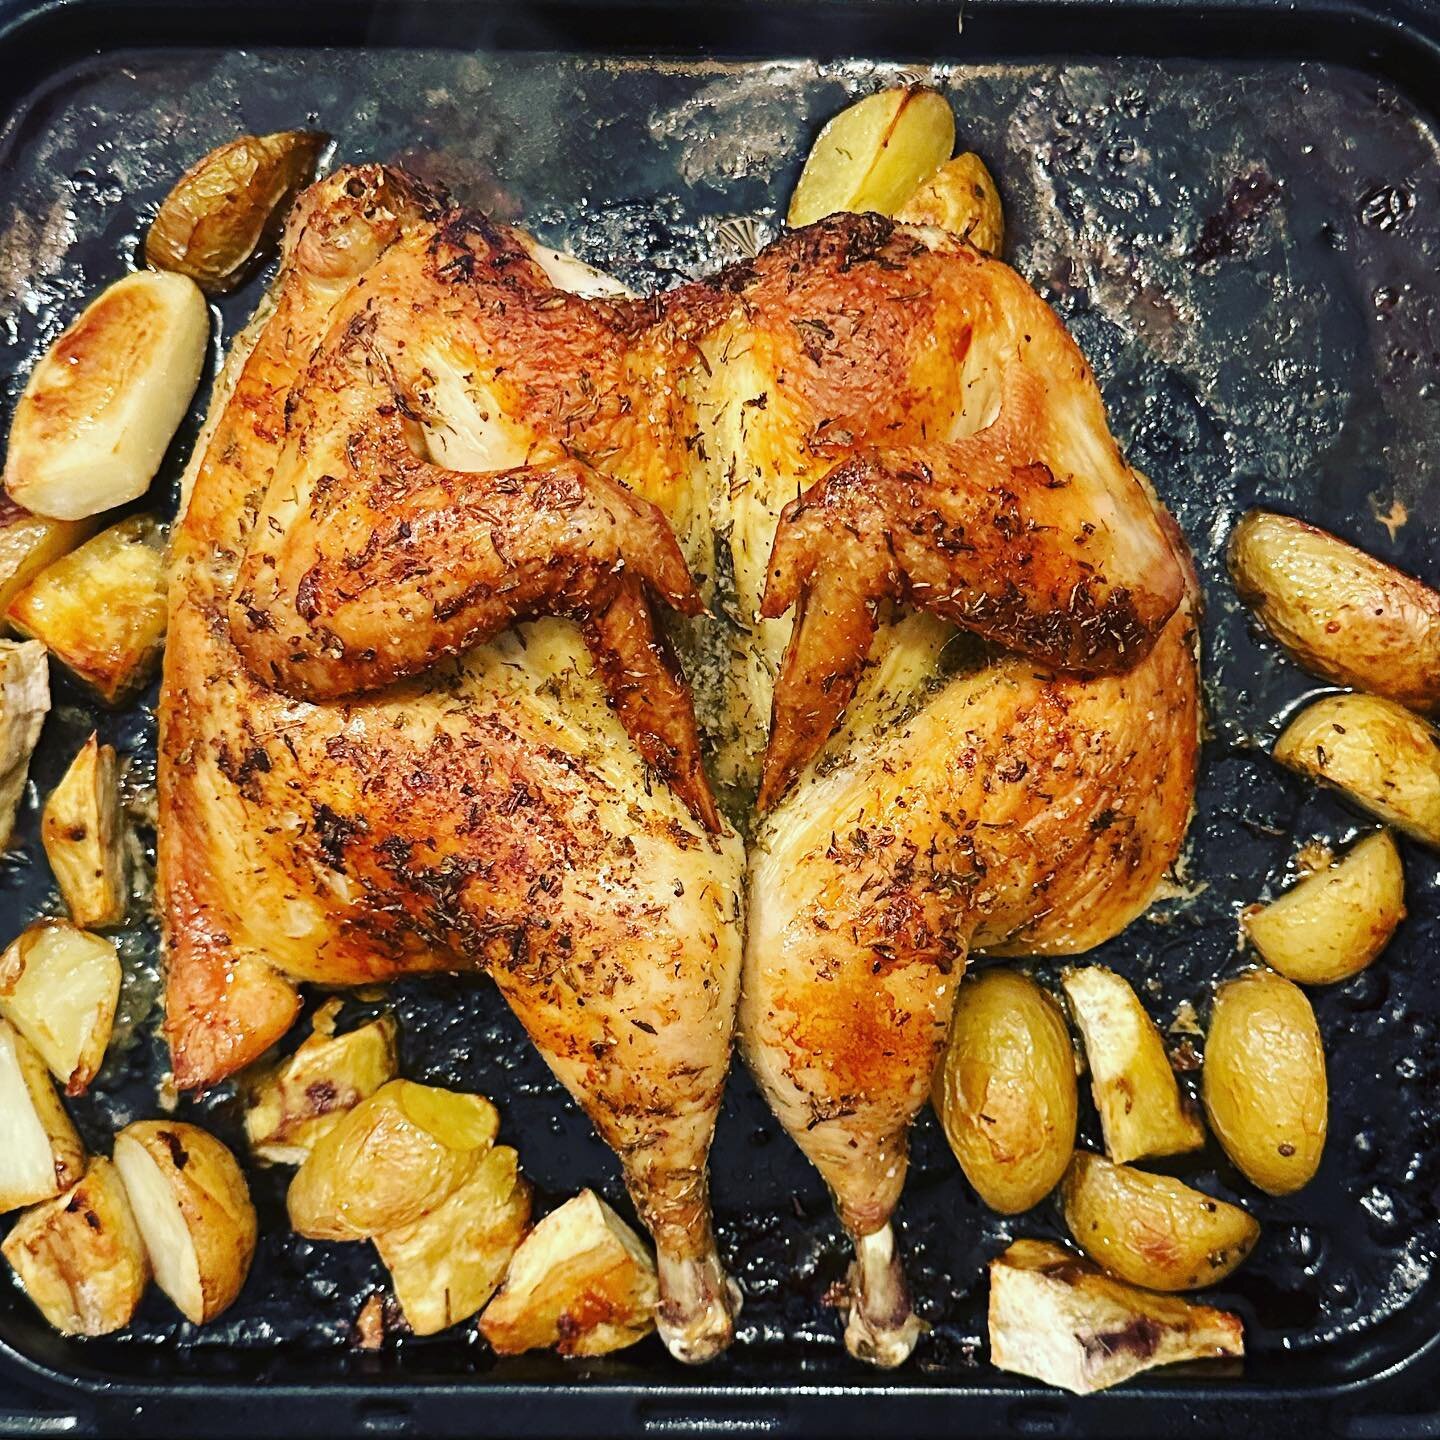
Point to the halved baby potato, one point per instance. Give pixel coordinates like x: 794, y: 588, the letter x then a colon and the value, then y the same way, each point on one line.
x: 1341, y: 613
x: 80, y: 1256
x: 40, y: 1152
x: 1383, y: 757
x: 24, y: 704
x: 84, y: 837
x: 1005, y: 1089
x: 59, y: 986
x: 101, y: 609
x: 28, y: 543
x: 1153, y: 1230
x: 583, y: 1282
x: 875, y: 154
x: 1264, y: 1080
x: 961, y: 197
x: 1334, y: 922
x: 293, y: 1104
x: 103, y: 404
x: 193, y: 1207
x: 390, y: 1161
x: 211, y: 224
x: 446, y: 1265
x: 1141, y: 1109
x: 1055, y: 1317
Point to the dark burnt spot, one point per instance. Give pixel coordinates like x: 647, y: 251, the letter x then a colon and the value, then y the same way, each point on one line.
x: 333, y: 833
x: 1140, y: 1338
x: 1231, y: 230
x: 322, y: 1097
x: 179, y: 1155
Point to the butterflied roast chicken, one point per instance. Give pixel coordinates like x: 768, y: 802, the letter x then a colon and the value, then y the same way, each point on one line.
x: 421, y: 710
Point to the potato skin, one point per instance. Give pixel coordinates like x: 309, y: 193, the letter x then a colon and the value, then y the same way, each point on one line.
x: 1264, y: 1080
x: 960, y: 198
x: 1343, y: 614
x: 1334, y: 923
x: 1152, y: 1230
x: 1005, y: 1089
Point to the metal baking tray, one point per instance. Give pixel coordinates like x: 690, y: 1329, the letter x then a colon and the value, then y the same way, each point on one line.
x: 1236, y: 209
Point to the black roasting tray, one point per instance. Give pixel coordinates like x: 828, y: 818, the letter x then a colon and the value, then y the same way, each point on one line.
x: 1236, y: 208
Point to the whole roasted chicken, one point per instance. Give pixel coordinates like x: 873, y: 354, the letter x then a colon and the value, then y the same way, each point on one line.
x: 421, y: 709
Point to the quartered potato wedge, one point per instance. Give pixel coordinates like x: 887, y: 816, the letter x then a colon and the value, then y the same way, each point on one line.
x: 446, y: 1265
x: 1383, y: 757
x: 24, y: 704
x: 1150, y: 1229
x: 875, y: 154
x: 80, y: 1256
x: 390, y: 1161
x: 103, y: 404
x: 40, y: 1153
x: 1335, y: 922
x: 962, y: 199
x: 212, y: 223
x: 28, y: 543
x: 59, y: 987
x: 1005, y: 1089
x: 1141, y: 1109
x: 1341, y: 613
x: 1264, y: 1080
x: 100, y: 610
x: 1056, y: 1318
x: 293, y: 1104
x: 194, y: 1212
x: 582, y: 1282
x: 84, y: 838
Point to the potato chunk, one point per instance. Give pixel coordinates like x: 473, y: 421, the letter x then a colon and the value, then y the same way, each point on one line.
x: 293, y: 1104
x: 28, y: 543
x: 960, y: 198
x: 1141, y: 1109
x: 447, y: 1265
x: 101, y: 610
x: 194, y: 1211
x: 583, y: 1282
x: 1383, y: 757
x: 1335, y: 922
x: 1005, y: 1090
x: 390, y: 1161
x: 40, y: 1153
x: 1341, y: 613
x: 1264, y: 1080
x: 84, y: 839
x: 211, y: 225
x: 875, y: 154
x: 24, y: 704
x: 80, y: 1256
x: 103, y: 404
x: 59, y: 987
x: 1150, y: 1229
x: 1056, y: 1318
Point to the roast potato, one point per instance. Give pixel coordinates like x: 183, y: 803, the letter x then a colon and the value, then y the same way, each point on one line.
x: 84, y: 838
x: 1005, y: 1089
x: 583, y: 1282
x: 1152, y: 1230
x: 292, y: 1104
x: 28, y: 543
x: 103, y: 404
x: 1264, y: 1080
x: 1334, y: 922
x: 1341, y: 613
x: 59, y: 987
x: 447, y: 1265
x: 390, y: 1161
x: 211, y: 225
x: 100, y: 610
x: 1055, y: 1317
x: 80, y: 1256
x: 194, y: 1211
x: 961, y: 197
x: 40, y: 1153
x: 1141, y: 1109
x: 875, y: 154
x: 1383, y: 757
x: 24, y: 704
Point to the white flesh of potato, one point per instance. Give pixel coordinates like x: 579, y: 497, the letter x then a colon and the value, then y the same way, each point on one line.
x: 59, y: 987
x: 103, y: 404
x: 24, y: 704
x: 1055, y: 1317
x: 84, y: 839
x: 40, y: 1153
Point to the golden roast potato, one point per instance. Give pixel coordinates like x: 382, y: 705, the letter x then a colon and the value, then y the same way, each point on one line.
x: 961, y: 198
x: 40, y: 1152
x: 84, y: 838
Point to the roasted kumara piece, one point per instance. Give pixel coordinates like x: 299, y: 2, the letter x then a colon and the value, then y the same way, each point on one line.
x: 24, y: 704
